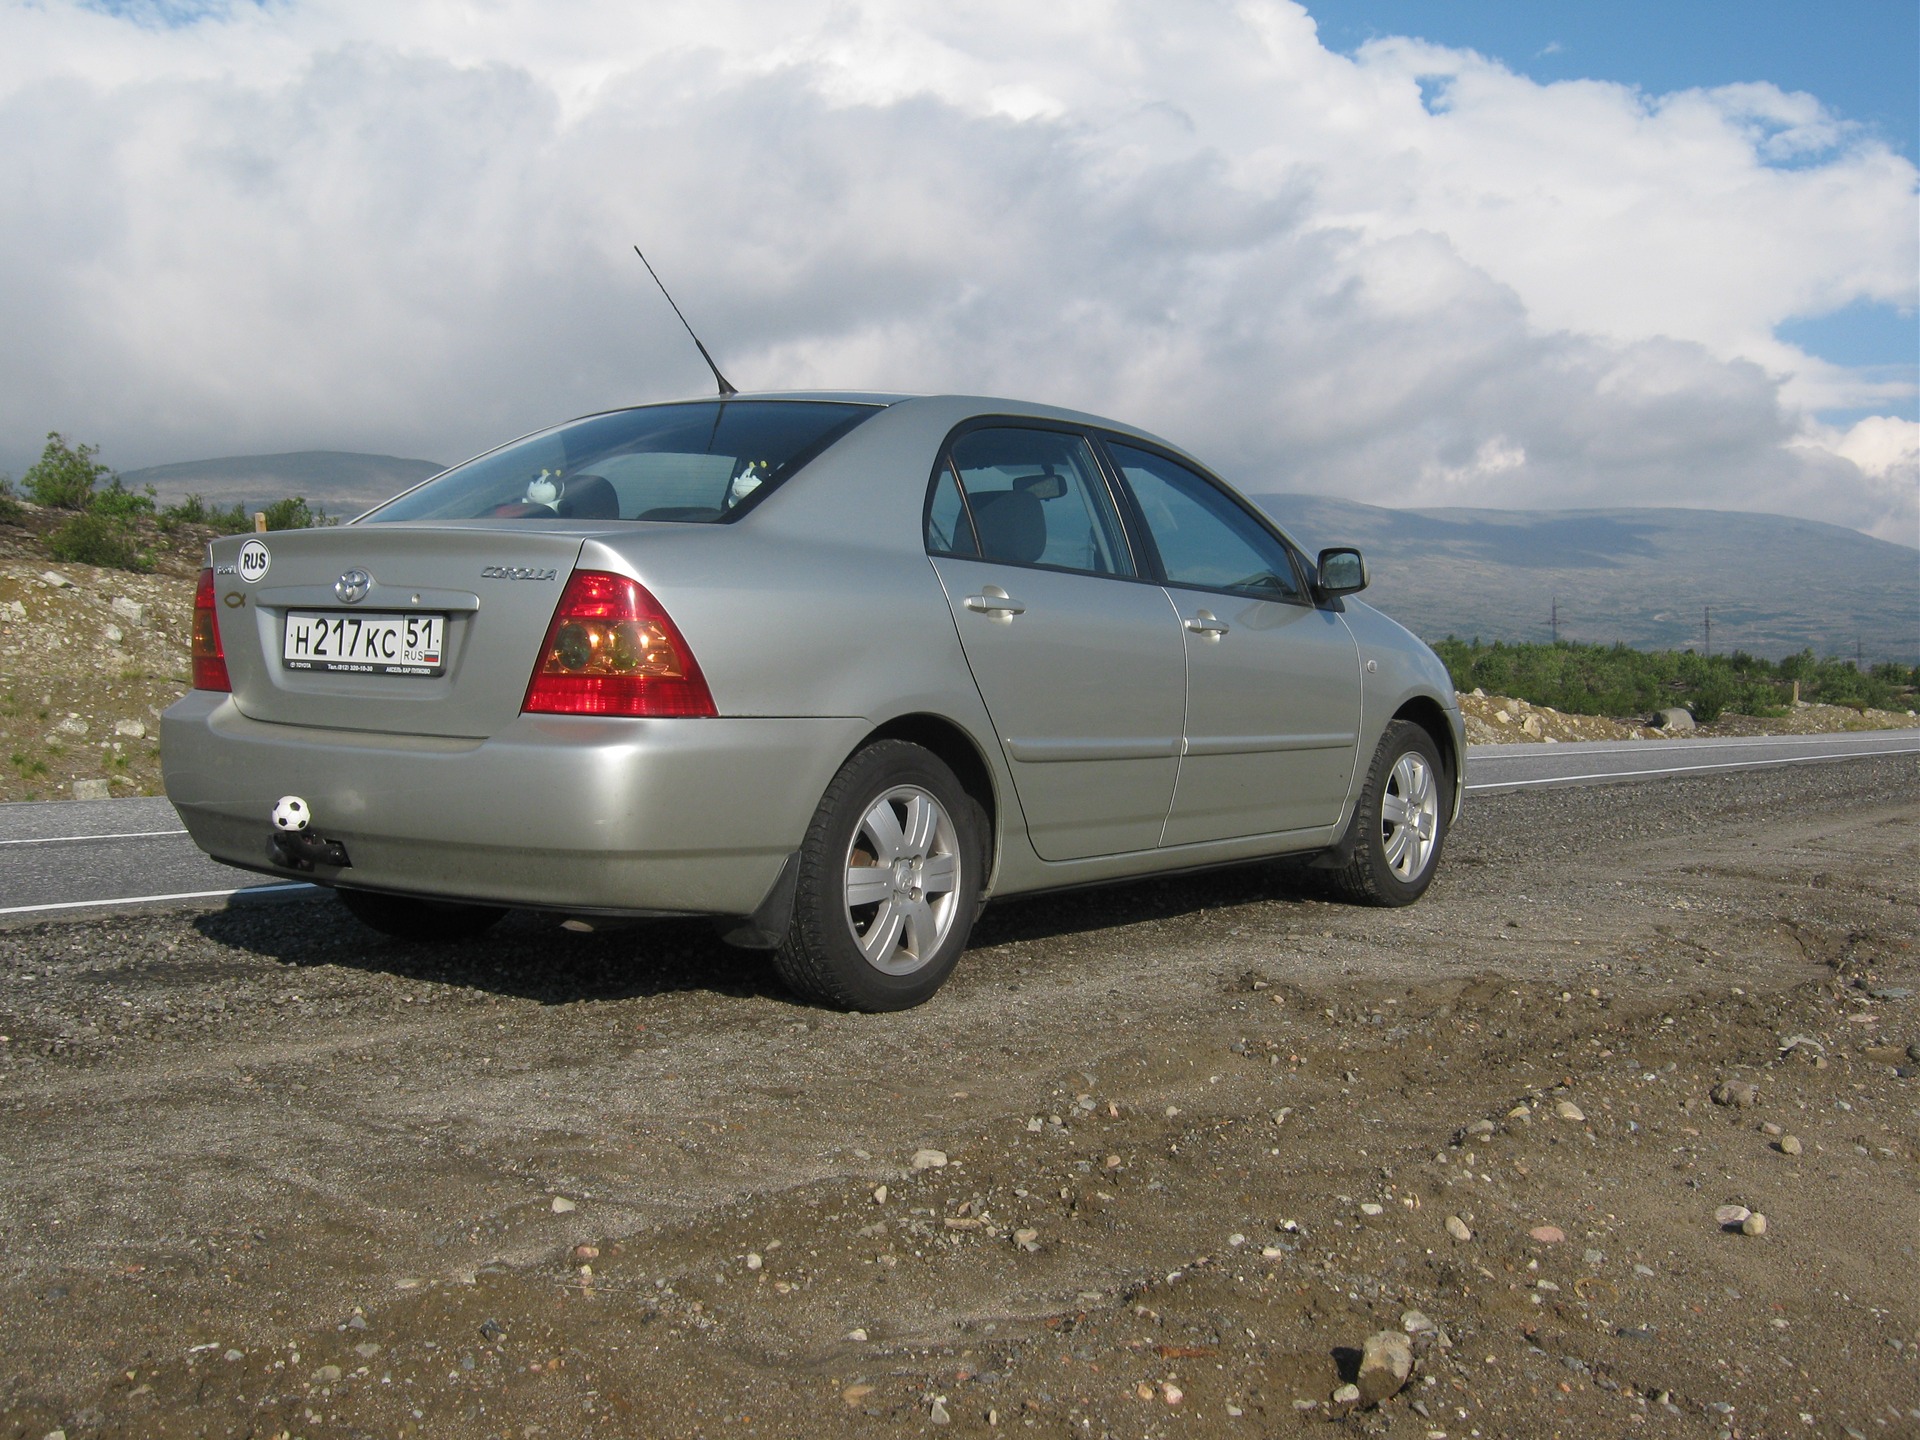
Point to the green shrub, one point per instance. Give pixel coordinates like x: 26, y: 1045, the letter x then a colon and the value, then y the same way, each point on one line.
x: 93, y: 539
x: 64, y: 476
x: 294, y: 513
x: 1614, y: 680
x: 121, y: 503
x: 12, y: 512
x: 194, y: 510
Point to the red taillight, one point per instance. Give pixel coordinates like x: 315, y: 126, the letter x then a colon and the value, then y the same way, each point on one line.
x: 209, y: 660
x: 611, y: 650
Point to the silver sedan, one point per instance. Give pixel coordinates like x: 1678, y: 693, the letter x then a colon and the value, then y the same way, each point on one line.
x: 831, y: 668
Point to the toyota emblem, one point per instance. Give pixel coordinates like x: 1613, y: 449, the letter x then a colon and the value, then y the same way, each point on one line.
x: 353, y: 586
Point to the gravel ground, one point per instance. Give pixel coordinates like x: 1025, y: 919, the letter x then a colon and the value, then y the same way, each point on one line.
x: 1159, y: 1160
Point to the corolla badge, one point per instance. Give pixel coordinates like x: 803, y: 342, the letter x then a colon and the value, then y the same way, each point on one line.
x: 353, y: 586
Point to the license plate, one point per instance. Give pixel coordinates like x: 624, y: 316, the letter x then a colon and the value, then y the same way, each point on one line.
x: 364, y: 644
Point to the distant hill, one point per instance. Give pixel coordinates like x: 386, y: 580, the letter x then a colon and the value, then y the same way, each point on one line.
x: 1775, y: 585
x: 339, y: 481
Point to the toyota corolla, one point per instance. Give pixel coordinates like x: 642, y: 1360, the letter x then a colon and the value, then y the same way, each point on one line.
x: 832, y: 669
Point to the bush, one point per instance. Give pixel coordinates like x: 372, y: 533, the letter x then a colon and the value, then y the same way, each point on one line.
x: 1613, y: 680
x: 93, y: 539
x: 121, y: 503
x: 12, y: 512
x: 64, y: 476
x: 194, y: 510
x: 294, y: 513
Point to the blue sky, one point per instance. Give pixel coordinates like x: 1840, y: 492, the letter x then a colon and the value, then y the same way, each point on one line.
x: 1861, y: 58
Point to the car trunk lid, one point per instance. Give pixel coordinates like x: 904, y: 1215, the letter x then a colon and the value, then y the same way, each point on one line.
x: 349, y: 595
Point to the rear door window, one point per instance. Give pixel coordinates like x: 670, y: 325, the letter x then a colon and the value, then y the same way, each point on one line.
x: 1020, y: 496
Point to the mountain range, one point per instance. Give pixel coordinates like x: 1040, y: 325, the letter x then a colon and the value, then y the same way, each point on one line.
x: 342, y: 482
x: 1651, y: 578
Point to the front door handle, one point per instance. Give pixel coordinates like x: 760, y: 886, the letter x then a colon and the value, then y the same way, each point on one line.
x: 995, y: 603
x: 1204, y: 623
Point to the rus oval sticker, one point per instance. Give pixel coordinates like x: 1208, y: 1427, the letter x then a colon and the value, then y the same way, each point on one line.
x: 254, y: 560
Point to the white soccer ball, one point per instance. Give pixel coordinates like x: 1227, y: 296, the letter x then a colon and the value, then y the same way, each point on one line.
x: 291, y: 814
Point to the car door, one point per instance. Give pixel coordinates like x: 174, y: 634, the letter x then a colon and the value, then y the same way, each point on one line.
x: 1080, y: 662
x: 1273, y: 682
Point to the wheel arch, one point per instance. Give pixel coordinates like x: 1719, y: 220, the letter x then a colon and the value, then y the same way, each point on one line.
x: 1430, y: 716
x: 961, y: 754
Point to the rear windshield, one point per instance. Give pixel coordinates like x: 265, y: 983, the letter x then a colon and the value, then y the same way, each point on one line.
x: 692, y: 463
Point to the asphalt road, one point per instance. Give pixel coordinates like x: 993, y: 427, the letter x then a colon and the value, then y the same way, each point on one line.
x: 83, y: 855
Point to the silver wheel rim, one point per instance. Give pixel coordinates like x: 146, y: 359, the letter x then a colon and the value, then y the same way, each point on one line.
x: 1410, y: 817
x: 902, y: 885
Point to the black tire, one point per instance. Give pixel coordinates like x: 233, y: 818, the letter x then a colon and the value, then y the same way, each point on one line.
x: 407, y: 917
x: 894, y: 951
x: 1393, y: 861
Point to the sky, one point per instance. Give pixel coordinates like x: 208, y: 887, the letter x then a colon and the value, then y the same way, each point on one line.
x: 1586, y: 254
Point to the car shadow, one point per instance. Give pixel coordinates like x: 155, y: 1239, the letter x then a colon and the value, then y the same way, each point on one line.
x: 533, y: 957
x: 526, y: 956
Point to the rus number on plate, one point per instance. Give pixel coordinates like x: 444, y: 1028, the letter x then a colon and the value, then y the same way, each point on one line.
x: 364, y: 644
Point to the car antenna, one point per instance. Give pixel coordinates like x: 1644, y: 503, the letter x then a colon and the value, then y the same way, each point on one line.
x: 726, y: 386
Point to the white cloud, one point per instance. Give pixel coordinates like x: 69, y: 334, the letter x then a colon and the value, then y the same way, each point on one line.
x: 404, y: 228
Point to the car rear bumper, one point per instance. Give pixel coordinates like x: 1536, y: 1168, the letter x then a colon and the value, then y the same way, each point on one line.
x: 553, y: 812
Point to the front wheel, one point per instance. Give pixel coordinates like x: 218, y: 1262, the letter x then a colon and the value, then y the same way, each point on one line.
x: 406, y: 917
x: 1400, y: 822
x: 889, y: 883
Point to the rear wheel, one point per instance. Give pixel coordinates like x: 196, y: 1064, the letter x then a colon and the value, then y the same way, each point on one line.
x: 407, y: 917
x: 1400, y: 822
x: 889, y: 883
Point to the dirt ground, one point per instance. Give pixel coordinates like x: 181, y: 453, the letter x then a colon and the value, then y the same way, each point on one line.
x: 1188, y: 1144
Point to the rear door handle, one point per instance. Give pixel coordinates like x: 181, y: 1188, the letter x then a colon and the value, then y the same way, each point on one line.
x: 994, y: 601
x: 1204, y: 623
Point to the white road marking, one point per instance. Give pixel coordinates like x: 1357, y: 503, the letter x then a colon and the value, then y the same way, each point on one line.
x: 71, y: 839
x: 1684, y: 769
x: 154, y: 899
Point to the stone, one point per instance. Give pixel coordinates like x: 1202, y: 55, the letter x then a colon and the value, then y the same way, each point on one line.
x: 563, y: 1206
x: 1754, y: 1224
x: 1385, y: 1363
x: 55, y: 579
x: 1347, y: 1395
x: 1171, y: 1393
x: 1534, y: 726
x: 1674, y: 718
x: 13, y: 610
x: 929, y: 1160
x: 92, y: 790
x: 129, y: 609
x: 1728, y: 1216
x: 1790, y: 1145
x: 326, y: 1375
x: 754, y: 1262
x: 1370, y: 1207
x: 1736, y: 1094
x: 1028, y: 1240
x: 1457, y: 1228
x: 366, y: 1350
x: 132, y: 729
x: 1567, y: 1110
x: 937, y: 1413
x: 1769, y: 1128
x: 879, y: 1194
x: 1548, y: 1234
x: 72, y: 725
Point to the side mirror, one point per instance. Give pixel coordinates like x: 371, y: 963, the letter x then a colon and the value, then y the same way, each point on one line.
x: 1342, y: 571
